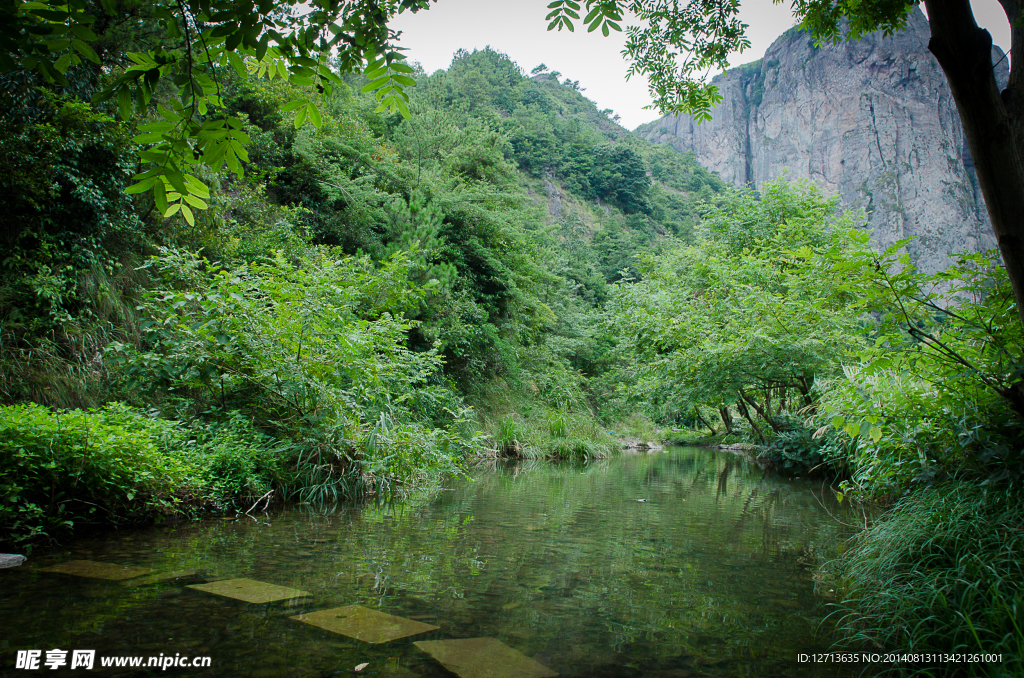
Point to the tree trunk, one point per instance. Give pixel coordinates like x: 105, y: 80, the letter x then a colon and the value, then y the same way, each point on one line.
x: 723, y: 411
x: 804, y: 386
x: 701, y: 419
x: 746, y: 415
x: 992, y: 122
x: 761, y: 411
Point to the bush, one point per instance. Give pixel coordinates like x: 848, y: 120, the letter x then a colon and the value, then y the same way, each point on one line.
x: 801, y: 449
x: 231, y: 465
x: 939, y: 395
x: 314, y: 352
x: 62, y: 469
x: 117, y: 465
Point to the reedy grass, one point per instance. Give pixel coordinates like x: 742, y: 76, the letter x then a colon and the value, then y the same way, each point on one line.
x: 546, y: 433
x: 519, y: 423
x: 941, y: 572
x: 638, y: 426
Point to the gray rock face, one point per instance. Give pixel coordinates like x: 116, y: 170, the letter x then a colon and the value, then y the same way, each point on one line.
x: 873, y: 121
x: 11, y: 560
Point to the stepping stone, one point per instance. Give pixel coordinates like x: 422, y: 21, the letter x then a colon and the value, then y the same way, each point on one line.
x: 161, y: 576
x: 249, y: 590
x: 483, y: 658
x: 362, y: 623
x: 90, y: 568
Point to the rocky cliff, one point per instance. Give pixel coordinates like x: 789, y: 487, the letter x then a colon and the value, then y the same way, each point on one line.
x: 873, y: 121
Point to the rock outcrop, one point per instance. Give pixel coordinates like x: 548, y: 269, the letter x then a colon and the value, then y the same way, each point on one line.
x: 873, y: 121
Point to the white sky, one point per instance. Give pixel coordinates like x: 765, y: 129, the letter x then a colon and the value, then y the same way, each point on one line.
x: 518, y: 28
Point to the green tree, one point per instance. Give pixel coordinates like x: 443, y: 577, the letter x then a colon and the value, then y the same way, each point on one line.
x: 281, y: 38
x: 752, y: 315
x: 306, y: 44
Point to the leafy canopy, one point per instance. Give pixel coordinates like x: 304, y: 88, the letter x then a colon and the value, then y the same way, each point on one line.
x: 307, y: 44
x: 755, y: 305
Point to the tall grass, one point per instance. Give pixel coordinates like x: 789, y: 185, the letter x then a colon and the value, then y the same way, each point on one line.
x: 523, y: 423
x: 941, y: 572
x: 546, y: 433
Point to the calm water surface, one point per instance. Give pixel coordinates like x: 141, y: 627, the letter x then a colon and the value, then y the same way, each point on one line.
x: 711, y: 576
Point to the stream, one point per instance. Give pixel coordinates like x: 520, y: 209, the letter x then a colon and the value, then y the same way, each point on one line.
x: 710, y: 575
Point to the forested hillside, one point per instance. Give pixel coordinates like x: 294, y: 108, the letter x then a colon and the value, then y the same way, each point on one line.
x: 360, y: 302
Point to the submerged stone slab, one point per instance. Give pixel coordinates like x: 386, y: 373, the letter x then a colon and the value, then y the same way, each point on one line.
x: 95, y: 570
x: 249, y: 590
x: 483, y: 658
x: 362, y: 623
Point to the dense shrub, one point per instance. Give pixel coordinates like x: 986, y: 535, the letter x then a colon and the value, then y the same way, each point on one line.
x: 118, y: 464
x: 61, y: 469
x: 313, y: 352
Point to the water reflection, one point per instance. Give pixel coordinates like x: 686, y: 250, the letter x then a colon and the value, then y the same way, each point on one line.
x: 711, y: 575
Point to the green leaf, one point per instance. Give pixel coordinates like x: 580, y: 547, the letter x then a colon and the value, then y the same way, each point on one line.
x: 195, y: 202
x: 124, y: 103
x: 187, y: 213
x: 314, y: 116
x: 301, y: 117
x: 160, y: 196
x: 142, y: 186
x: 375, y: 84
x: 148, y: 138
x: 232, y: 161
x: 403, y: 108
x: 176, y: 180
x: 83, y: 32
x: 63, y: 63
x: 236, y: 62
x: 85, y: 50
x: 197, y: 187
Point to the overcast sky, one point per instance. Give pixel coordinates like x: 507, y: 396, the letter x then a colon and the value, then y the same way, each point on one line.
x: 518, y: 28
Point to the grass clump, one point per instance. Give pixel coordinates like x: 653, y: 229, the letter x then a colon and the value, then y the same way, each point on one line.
x: 941, y: 572
x: 546, y: 433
